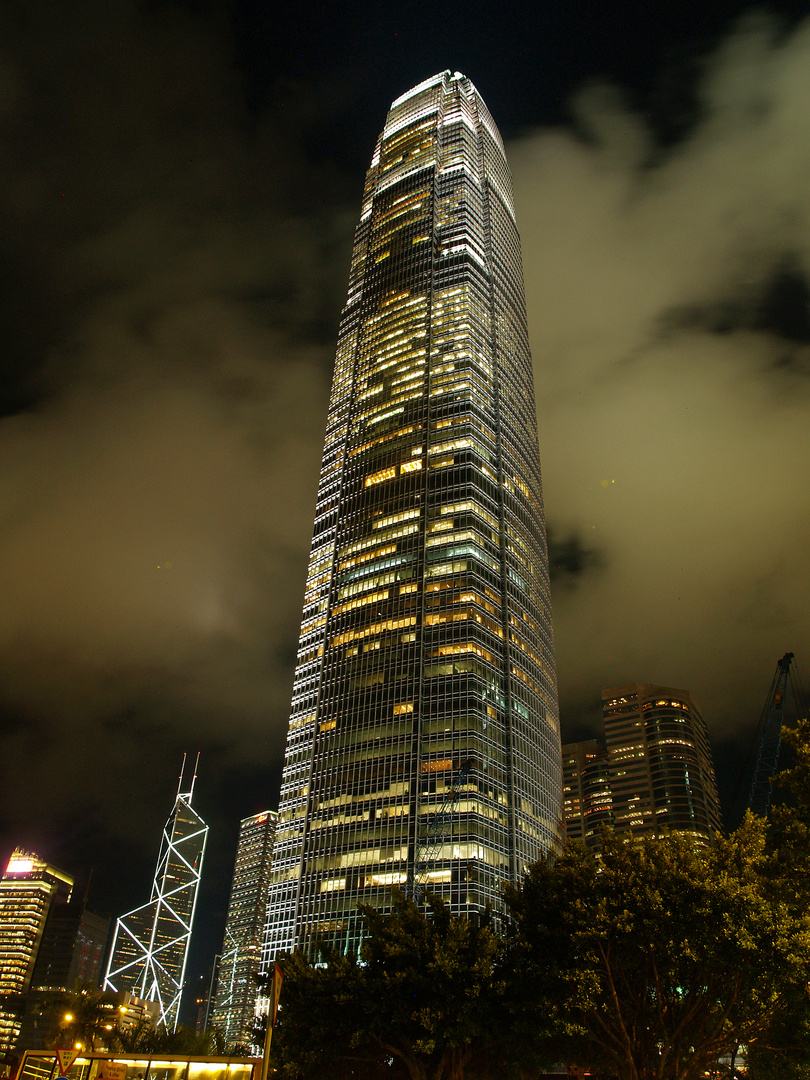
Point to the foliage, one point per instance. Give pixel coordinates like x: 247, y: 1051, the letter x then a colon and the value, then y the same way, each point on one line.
x: 88, y: 1017
x: 790, y: 833
x: 661, y: 957
x: 144, y: 1038
x: 783, y: 1052
x: 419, y: 1004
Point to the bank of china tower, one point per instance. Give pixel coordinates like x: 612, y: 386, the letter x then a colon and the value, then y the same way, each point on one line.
x: 423, y: 747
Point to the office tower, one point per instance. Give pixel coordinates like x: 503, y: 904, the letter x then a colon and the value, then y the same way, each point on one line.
x: 587, y: 800
x: 661, y: 769
x: 71, y: 953
x: 423, y: 744
x: 237, y: 988
x: 29, y: 889
x: 150, y: 944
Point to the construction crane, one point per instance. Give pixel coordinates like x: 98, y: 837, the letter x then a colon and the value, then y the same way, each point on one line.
x: 769, y: 731
x: 438, y: 830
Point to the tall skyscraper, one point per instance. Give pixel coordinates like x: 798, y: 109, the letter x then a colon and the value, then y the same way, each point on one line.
x: 660, y: 761
x: 29, y: 889
x: 237, y: 989
x: 150, y: 945
x: 424, y: 740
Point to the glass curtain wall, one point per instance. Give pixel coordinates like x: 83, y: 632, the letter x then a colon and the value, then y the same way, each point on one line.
x: 423, y: 746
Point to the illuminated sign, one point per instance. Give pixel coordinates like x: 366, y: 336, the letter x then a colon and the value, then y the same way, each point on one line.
x: 20, y: 866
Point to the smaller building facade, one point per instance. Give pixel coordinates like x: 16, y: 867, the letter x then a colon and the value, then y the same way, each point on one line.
x: 71, y: 954
x: 29, y: 889
x: 653, y: 771
x: 660, y: 761
x: 237, y: 986
x: 587, y: 799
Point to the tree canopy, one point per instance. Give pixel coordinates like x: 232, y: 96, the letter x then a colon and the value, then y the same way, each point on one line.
x: 88, y: 1017
x: 651, y: 961
x: 661, y: 956
x: 419, y: 1002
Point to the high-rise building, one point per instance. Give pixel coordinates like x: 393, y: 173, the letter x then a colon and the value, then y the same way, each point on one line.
x: 150, y: 944
x: 233, y: 1014
x: 423, y: 742
x: 587, y: 799
x: 660, y: 761
x: 29, y: 889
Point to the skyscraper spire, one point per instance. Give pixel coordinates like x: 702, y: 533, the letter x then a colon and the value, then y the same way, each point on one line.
x: 424, y: 739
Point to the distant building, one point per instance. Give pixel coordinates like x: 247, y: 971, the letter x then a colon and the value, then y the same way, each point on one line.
x: 134, y: 1013
x: 29, y: 889
x: 661, y: 768
x: 237, y: 989
x: 71, y: 953
x: 653, y: 771
x: 587, y: 797
x: 150, y: 946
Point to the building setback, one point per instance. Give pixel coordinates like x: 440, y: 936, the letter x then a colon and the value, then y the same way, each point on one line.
x: 661, y: 769
x: 150, y: 944
x: 234, y: 1008
x: 423, y: 743
x: 29, y: 889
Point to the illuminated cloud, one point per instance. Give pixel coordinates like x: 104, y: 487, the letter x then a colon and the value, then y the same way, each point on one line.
x: 173, y: 269
x: 667, y: 296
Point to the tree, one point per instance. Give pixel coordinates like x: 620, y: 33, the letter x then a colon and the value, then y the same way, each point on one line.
x: 88, y: 1017
x: 433, y: 977
x: 145, y: 1038
x: 419, y: 1004
x: 783, y: 1051
x: 789, y: 837
x: 660, y: 957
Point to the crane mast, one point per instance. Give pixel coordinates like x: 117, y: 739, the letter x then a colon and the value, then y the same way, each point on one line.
x: 770, y: 743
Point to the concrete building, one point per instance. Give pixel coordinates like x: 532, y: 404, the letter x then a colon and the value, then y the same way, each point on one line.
x: 71, y: 953
x: 661, y: 768
x: 587, y: 799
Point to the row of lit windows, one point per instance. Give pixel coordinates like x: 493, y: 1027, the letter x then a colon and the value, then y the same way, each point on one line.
x: 392, y: 532
x: 391, y: 471
x: 388, y: 437
x: 463, y: 616
x: 371, y: 630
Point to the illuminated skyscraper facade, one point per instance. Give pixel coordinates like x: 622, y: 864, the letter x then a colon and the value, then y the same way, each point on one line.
x: 237, y: 988
x: 29, y: 889
x: 660, y: 761
x: 423, y: 743
x: 150, y: 945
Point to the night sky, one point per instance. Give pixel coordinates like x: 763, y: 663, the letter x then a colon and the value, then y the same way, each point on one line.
x: 180, y: 184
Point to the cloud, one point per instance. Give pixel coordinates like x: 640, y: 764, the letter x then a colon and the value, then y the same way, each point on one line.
x: 162, y: 409
x: 172, y: 267
x: 667, y: 297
